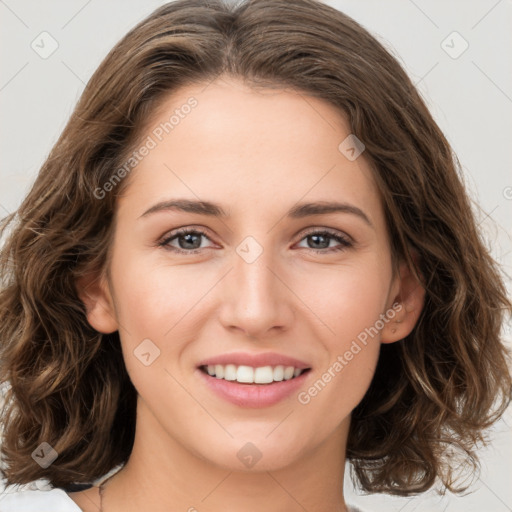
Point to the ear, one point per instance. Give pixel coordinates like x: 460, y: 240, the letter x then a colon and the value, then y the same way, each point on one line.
x: 94, y: 292
x: 406, y: 304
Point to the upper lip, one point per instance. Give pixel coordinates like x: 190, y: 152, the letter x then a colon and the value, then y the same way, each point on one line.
x: 255, y: 360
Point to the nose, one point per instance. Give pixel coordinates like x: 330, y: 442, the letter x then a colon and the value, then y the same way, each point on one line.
x: 255, y: 298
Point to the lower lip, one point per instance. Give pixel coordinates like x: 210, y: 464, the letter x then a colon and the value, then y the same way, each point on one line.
x: 253, y: 395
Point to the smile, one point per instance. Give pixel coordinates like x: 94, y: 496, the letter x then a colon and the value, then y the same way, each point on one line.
x: 249, y: 379
x: 250, y: 375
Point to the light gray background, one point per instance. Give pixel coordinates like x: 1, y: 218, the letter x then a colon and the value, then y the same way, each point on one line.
x: 470, y: 97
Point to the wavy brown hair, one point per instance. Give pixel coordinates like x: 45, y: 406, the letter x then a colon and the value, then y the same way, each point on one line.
x: 437, y: 389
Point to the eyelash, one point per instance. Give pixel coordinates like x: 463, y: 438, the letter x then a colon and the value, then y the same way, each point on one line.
x: 345, y: 243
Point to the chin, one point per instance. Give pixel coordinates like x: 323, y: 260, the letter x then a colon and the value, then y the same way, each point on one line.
x: 253, y: 453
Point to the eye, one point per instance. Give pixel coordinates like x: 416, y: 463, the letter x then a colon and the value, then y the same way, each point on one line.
x: 188, y: 241
x: 321, y: 240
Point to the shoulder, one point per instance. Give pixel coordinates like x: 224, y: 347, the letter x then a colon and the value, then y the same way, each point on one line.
x: 36, y: 496
x: 40, y: 496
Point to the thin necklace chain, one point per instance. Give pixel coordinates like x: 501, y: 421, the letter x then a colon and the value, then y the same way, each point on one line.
x: 101, y: 498
x: 102, y: 490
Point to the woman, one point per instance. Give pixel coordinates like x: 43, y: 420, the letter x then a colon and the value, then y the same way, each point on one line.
x: 247, y: 259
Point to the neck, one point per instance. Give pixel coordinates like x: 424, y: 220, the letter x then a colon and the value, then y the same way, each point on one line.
x: 162, y: 474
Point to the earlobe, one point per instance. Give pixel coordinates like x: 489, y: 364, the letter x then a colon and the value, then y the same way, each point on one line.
x: 94, y: 292
x: 409, y: 302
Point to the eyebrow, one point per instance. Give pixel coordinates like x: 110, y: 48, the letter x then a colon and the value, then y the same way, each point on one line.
x: 298, y: 211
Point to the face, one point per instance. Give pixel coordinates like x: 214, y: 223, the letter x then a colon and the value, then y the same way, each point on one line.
x: 243, y: 271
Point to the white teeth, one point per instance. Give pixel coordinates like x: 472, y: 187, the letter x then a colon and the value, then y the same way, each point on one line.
x: 219, y: 371
x: 245, y: 374
x: 288, y: 372
x: 230, y: 372
x: 279, y: 373
x: 250, y: 375
x: 263, y: 375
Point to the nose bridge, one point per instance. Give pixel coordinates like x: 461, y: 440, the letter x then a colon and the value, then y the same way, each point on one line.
x: 257, y: 300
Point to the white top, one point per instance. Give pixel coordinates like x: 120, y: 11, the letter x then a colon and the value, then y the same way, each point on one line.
x: 36, y: 496
x: 40, y: 496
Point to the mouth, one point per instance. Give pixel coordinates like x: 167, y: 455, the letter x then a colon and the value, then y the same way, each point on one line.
x: 253, y: 380
x: 261, y: 375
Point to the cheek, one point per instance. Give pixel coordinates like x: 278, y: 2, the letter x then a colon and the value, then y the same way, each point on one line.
x: 350, y: 303
x: 347, y: 299
x: 147, y: 307
x: 152, y: 299
x: 341, y: 382
x: 337, y: 390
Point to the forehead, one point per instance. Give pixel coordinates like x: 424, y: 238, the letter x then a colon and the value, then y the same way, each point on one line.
x: 266, y: 148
